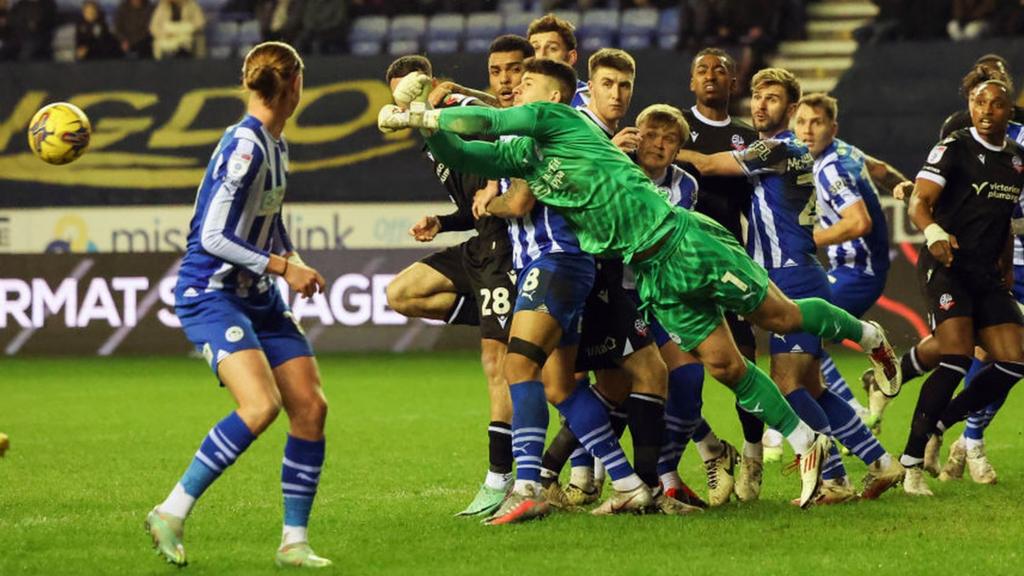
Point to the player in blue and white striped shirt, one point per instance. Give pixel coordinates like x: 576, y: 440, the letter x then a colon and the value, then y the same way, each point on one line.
x: 781, y: 239
x: 230, y: 308
x: 555, y: 38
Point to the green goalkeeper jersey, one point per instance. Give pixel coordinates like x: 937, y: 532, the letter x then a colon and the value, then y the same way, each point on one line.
x: 611, y: 205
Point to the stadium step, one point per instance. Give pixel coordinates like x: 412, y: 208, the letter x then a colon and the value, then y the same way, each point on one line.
x: 806, y: 68
x: 841, y: 10
x: 817, y: 48
x: 818, y: 84
x: 832, y: 29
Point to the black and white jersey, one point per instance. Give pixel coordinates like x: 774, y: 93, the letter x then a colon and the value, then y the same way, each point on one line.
x: 723, y: 198
x: 962, y: 119
x: 462, y: 187
x: 981, y: 186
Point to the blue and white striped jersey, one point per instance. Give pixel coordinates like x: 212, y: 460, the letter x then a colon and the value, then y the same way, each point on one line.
x: 841, y: 179
x: 1015, y: 132
x: 236, y: 223
x: 783, y: 210
x: 582, y: 96
x: 678, y: 187
x: 543, y: 231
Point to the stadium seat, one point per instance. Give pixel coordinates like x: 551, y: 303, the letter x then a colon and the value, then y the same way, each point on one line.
x: 668, y: 28
x: 483, y: 25
x: 367, y: 35
x: 403, y: 47
x: 408, y: 27
x: 513, y: 6
x: 572, y: 16
x: 70, y: 7
x: 637, y: 28
x: 446, y: 26
x: 64, y: 43
x: 442, y: 46
x: 369, y: 28
x: 223, y: 39
x: 518, y: 22
x: 108, y: 6
x: 597, y: 29
x: 248, y: 35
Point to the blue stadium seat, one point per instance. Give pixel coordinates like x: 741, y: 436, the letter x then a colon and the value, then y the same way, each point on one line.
x: 442, y: 46
x: 211, y: 8
x: 483, y: 25
x: 108, y: 6
x: 512, y: 6
x: 248, y: 35
x: 222, y: 39
x: 668, y: 28
x: 570, y: 15
x: 64, y: 6
x: 369, y: 28
x: 518, y: 22
x: 477, y: 45
x: 637, y: 28
x: 446, y: 26
x: 367, y: 35
x: 403, y: 47
x: 597, y: 29
x: 408, y: 27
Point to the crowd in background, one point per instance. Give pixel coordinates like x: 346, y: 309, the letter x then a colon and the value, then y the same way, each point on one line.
x: 177, y: 28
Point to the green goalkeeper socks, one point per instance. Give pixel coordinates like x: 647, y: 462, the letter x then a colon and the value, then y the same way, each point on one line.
x: 830, y: 322
x: 757, y: 394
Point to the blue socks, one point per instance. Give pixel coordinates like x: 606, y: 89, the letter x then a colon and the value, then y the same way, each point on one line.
x: 849, y: 429
x: 808, y: 409
x: 300, y: 476
x: 833, y: 379
x: 682, y: 414
x: 529, y: 428
x: 222, y: 446
x: 588, y: 420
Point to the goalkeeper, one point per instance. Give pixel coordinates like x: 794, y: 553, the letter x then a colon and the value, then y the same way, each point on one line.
x: 689, y: 269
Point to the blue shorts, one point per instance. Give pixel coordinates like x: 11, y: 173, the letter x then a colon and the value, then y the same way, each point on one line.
x: 557, y: 285
x: 799, y: 282
x: 220, y: 323
x: 1018, y: 283
x: 855, y: 291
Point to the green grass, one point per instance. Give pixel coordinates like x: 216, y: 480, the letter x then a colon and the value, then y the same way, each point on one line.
x: 97, y: 442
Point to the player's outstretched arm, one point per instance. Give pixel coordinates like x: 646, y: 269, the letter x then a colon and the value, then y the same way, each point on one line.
x: 515, y: 203
x: 885, y: 176
x: 718, y: 164
x: 470, y: 121
x: 488, y: 159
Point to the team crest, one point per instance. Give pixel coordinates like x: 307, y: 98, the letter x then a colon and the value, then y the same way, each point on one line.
x: 936, y: 154
x: 738, y: 143
x: 234, y: 334
x: 946, y: 301
x: 1017, y: 164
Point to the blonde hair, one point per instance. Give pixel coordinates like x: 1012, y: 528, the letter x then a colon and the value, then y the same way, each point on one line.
x: 780, y: 77
x: 665, y: 115
x: 824, y: 102
x: 269, y: 68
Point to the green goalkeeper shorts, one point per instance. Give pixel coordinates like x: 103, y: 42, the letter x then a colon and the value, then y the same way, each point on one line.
x: 700, y: 272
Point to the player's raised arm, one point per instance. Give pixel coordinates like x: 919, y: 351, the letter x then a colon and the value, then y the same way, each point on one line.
x: 487, y: 159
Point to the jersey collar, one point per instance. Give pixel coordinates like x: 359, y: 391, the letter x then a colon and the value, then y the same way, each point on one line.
x: 977, y: 137
x: 593, y: 117
x: 704, y: 119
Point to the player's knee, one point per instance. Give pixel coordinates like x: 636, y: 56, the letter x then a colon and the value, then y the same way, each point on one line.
x: 519, y: 368
x: 727, y: 369
x: 259, y: 414
x: 398, y: 296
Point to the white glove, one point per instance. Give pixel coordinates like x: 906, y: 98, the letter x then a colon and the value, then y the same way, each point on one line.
x: 414, y: 87
x: 391, y: 118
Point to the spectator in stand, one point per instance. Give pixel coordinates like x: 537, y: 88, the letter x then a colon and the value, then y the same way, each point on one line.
x: 32, y: 24
x: 93, y: 39
x: 971, y: 19
x: 1011, y: 18
x: 131, y: 26
x: 324, y: 27
x: 177, y: 29
x: 279, y: 20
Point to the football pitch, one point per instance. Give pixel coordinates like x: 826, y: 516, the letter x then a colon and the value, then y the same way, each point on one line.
x: 96, y: 443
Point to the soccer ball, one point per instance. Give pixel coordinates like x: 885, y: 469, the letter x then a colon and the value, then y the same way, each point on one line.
x: 59, y: 133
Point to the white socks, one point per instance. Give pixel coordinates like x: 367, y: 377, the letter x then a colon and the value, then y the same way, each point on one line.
x: 710, y: 447
x: 496, y: 481
x: 178, y: 502
x: 971, y: 443
x: 631, y: 482
x: 801, y: 438
x: 870, y: 338
x: 293, y: 535
x: 753, y: 451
